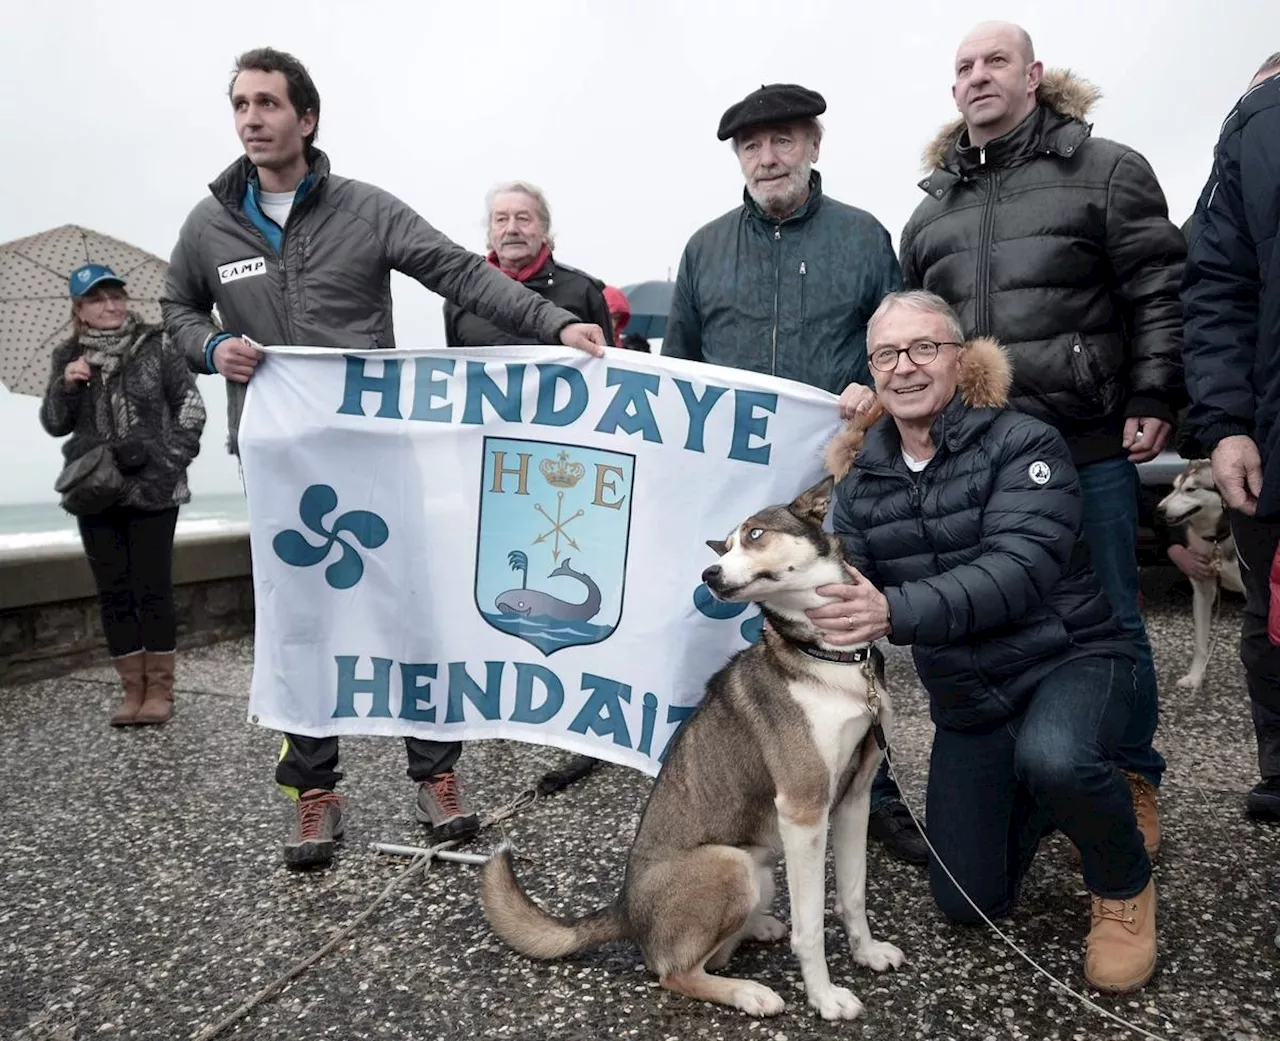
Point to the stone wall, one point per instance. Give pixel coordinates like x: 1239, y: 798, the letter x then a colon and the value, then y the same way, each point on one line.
x: 49, y: 621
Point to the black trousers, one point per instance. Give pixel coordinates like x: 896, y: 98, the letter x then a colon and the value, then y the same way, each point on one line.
x: 312, y: 762
x: 1256, y: 542
x: 131, y: 556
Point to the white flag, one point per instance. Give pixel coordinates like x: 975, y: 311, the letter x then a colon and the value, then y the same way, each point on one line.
x: 506, y: 542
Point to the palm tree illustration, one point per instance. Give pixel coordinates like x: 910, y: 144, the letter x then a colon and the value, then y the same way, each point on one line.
x: 519, y: 562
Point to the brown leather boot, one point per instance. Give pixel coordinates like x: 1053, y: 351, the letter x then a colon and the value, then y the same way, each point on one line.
x: 129, y: 668
x: 1147, y: 810
x: 157, y: 707
x: 1120, y: 953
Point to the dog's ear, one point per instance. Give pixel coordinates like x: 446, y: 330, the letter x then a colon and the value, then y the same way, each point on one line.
x: 719, y: 545
x: 815, y: 502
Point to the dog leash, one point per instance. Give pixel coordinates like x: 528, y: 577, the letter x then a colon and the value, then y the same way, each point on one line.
x: 423, y: 858
x: 1084, y: 999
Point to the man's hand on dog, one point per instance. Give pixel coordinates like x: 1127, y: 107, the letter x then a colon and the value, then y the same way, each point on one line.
x: 1196, y: 566
x: 859, y: 612
x: 1237, y: 471
x: 1145, y: 437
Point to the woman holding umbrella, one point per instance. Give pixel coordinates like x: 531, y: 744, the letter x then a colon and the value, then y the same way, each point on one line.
x: 135, y: 417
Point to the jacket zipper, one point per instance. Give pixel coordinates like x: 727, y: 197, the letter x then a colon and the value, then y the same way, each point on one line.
x: 803, y: 272
x: 777, y: 281
x: 987, y: 231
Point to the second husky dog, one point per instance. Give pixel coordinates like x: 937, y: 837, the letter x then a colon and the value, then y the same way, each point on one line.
x: 1195, y: 505
x: 780, y: 746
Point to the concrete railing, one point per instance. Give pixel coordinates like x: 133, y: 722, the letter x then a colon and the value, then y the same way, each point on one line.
x: 49, y: 622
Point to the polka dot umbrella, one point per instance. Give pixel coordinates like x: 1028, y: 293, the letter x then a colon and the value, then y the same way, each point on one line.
x: 35, y: 306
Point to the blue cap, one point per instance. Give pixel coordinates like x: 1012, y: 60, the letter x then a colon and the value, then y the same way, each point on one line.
x: 85, y: 278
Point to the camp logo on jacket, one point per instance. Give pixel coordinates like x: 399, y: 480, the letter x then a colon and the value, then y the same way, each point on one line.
x: 238, y: 269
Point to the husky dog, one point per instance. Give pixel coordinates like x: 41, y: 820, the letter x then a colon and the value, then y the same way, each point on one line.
x: 1196, y: 507
x: 781, y: 745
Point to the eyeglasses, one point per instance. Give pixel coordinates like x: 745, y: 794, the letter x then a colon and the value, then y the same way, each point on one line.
x: 922, y: 352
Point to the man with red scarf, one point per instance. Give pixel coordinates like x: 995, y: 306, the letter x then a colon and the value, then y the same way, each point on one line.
x: 520, y: 243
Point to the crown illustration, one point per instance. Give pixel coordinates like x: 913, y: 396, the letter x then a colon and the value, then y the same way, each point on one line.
x: 562, y: 473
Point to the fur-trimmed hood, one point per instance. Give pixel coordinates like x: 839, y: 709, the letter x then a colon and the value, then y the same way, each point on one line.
x: 983, y: 382
x: 1061, y: 91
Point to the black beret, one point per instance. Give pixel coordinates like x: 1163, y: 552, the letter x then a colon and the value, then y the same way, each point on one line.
x: 775, y: 103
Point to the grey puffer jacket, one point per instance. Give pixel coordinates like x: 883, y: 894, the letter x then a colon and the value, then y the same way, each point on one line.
x: 979, y: 555
x: 329, y: 282
x: 789, y: 297
x: 1059, y: 245
x: 168, y: 416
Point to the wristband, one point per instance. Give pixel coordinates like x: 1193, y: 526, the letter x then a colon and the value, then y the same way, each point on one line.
x: 209, y: 349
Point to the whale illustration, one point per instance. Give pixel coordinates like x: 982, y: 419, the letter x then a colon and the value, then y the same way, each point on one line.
x: 533, y: 603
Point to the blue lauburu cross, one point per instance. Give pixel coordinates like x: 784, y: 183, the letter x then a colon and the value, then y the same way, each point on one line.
x: 317, y: 502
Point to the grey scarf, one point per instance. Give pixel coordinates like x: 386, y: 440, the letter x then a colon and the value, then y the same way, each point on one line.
x: 107, y: 350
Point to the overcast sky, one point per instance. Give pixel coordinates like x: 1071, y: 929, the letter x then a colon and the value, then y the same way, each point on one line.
x: 116, y: 117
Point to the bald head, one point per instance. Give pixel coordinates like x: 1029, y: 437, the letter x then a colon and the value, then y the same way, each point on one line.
x: 997, y: 76
x: 1013, y: 34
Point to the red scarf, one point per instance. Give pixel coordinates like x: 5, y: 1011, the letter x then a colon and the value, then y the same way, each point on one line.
x: 525, y: 273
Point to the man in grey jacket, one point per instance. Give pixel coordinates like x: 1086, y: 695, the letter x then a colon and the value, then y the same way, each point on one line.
x: 784, y: 284
x: 292, y: 254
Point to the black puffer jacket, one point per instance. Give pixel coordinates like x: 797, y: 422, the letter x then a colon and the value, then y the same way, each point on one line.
x: 1232, y: 289
x: 565, y: 286
x: 1059, y: 245
x: 165, y: 405
x: 979, y: 555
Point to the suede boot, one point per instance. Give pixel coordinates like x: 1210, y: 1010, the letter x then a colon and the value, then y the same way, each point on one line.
x: 157, y: 706
x: 129, y: 668
x: 1120, y: 953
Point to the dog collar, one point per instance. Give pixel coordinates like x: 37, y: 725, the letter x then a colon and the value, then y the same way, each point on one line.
x: 1222, y: 532
x: 842, y: 657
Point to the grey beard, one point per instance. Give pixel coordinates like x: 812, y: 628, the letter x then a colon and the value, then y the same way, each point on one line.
x: 784, y: 205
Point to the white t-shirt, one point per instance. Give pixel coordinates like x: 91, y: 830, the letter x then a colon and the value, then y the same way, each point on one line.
x: 913, y: 464
x: 276, y: 205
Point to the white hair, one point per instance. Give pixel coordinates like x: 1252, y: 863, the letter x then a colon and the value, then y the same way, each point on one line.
x: 540, y: 205
x: 922, y: 302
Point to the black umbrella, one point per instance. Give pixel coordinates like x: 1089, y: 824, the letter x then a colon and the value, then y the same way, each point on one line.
x: 650, y: 302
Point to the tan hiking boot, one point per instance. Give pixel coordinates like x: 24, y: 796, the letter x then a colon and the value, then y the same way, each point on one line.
x: 1120, y: 952
x: 1147, y: 810
x: 130, y: 669
x: 157, y: 707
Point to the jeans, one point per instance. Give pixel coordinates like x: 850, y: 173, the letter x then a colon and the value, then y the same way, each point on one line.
x: 1256, y: 542
x: 312, y: 762
x: 130, y: 553
x: 1109, y: 490
x: 994, y: 794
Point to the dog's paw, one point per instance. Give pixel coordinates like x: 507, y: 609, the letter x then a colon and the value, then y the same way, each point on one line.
x: 1191, y: 681
x: 765, y: 928
x: 836, y: 1003
x: 878, y: 956
x: 755, y: 999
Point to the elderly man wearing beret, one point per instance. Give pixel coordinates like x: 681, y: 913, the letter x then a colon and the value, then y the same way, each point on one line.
x: 784, y: 284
